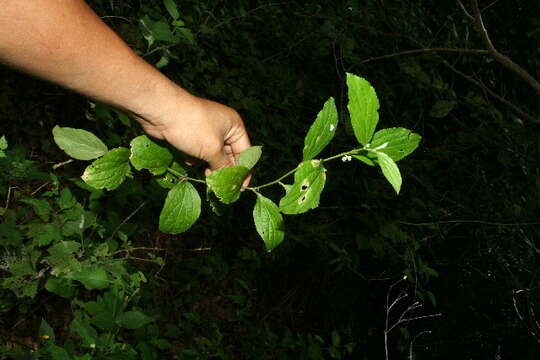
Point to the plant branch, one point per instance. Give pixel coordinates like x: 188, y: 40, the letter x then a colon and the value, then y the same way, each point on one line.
x: 502, y: 59
x: 278, y: 180
x: 468, y: 222
x: 412, y: 343
x: 256, y: 188
x: 184, y: 177
x: 134, y: 249
x: 127, y: 219
x: 346, y: 153
x: 418, y: 51
x: 481, y: 85
x: 464, y: 9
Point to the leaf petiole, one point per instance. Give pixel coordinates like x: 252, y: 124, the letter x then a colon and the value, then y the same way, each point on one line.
x: 184, y: 177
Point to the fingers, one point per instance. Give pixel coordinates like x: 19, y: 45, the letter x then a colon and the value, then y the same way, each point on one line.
x: 241, y: 142
x: 227, y: 157
x: 220, y: 160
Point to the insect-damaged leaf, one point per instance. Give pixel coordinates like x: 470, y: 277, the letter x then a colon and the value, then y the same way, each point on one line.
x: 400, y: 142
x: 146, y: 154
x: 109, y: 171
x: 390, y: 170
x: 168, y: 180
x: 226, y: 183
x: 79, y: 144
x: 322, y: 131
x: 268, y: 221
x: 304, y: 194
x: 363, y: 108
x: 182, y: 208
x: 249, y: 157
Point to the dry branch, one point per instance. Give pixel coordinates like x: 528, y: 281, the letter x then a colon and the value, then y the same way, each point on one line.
x: 502, y: 59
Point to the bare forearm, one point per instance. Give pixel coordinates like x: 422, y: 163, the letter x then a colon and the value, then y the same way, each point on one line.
x: 65, y: 42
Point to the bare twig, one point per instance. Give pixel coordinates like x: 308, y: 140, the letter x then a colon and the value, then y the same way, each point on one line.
x: 247, y: 13
x: 412, y: 343
x: 127, y: 219
x: 56, y: 166
x: 464, y: 9
x: 502, y: 59
x: 134, y: 249
x: 417, y: 51
x: 492, y: 93
x: 468, y: 222
x: 531, y: 323
x: 402, y: 318
x: 8, y: 197
x: 490, y: 5
x: 39, y: 188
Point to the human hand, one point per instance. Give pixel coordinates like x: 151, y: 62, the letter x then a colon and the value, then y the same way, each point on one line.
x: 202, y: 129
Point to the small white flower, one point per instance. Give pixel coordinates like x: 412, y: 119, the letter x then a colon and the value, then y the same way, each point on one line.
x: 346, y: 158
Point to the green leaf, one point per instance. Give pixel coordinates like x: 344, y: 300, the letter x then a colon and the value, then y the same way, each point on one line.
x: 85, y: 331
x: 66, y: 200
x: 395, y: 142
x: 249, y: 157
x: 442, y: 108
x: 321, y: 131
x: 146, y: 154
x: 161, y: 31
x: 304, y: 194
x: 3, y: 146
x: 146, y: 23
x: 363, y: 108
x: 171, y: 7
x: 41, y: 207
x: 79, y: 144
x: 269, y: 222
x: 182, y: 208
x: 390, y: 170
x: 133, y: 319
x: 61, y: 257
x: 10, y: 235
x: 366, y: 159
x: 168, y: 180
x: 226, y: 183
x: 44, y: 234
x: 92, y: 278
x: 58, y: 353
x: 46, y: 332
x: 109, y: 171
x: 187, y: 34
x: 60, y: 286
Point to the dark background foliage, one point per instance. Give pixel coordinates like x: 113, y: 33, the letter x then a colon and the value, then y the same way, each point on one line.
x: 464, y: 230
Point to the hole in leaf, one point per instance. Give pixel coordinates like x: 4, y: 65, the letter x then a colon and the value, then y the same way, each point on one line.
x: 302, y: 199
x: 304, y: 187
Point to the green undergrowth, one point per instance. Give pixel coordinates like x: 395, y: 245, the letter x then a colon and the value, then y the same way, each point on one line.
x: 87, y: 273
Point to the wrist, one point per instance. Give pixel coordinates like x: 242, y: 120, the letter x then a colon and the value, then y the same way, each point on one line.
x: 158, y: 103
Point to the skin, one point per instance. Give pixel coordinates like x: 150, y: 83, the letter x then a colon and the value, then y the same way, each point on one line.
x: 65, y: 42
